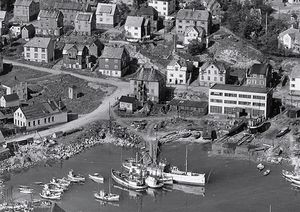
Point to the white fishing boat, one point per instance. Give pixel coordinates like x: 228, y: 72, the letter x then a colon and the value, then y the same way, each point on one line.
x: 290, y: 175
x: 49, y: 195
x: 260, y: 166
x: 75, y: 178
x: 153, y: 182
x: 53, y: 188
x: 267, y: 172
x: 25, y: 190
x: 185, y: 177
x: 64, y: 183
x: 166, y: 180
x: 128, y: 181
x: 96, y: 178
x: 109, y: 197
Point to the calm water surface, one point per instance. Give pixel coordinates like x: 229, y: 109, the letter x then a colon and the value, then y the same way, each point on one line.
x: 234, y: 186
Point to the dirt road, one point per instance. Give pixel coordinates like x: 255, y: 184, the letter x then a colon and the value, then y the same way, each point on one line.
x: 100, y: 113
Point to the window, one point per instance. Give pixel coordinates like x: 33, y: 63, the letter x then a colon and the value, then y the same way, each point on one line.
x: 230, y: 102
x: 53, y: 118
x: 43, y: 50
x: 48, y: 119
x: 202, y: 77
x: 35, y: 49
x: 244, y: 103
x: 136, y: 28
x: 216, y: 93
x: 116, y: 66
x: 35, y: 55
x: 258, y: 97
x: 187, y: 21
x: 179, y: 26
x: 245, y: 96
x: 116, y: 61
x: 208, y: 78
x: 152, y: 90
x: 221, y: 79
x: 180, y: 21
x: 180, y: 81
x: 171, y: 75
x: 292, y: 85
x: 33, y: 123
x: 39, y: 122
x: 257, y: 104
x: 29, y: 124
x: 180, y: 75
x: 216, y: 109
x: 215, y: 78
x: 208, y: 71
x: 229, y: 110
x: 216, y: 100
x: 230, y: 95
x: 28, y: 48
x: 293, y: 79
x: 215, y: 71
x: 106, y: 66
x: 165, y: 3
x: 101, y: 19
x: 27, y: 54
x: 170, y: 80
x: 43, y: 56
x: 79, y: 26
x: 164, y: 8
x: 136, y: 34
x: 45, y: 120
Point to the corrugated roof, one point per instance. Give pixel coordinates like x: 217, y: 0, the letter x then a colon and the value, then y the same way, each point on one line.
x: 112, y: 52
x: 39, y: 42
x: 40, y: 110
x: 49, y: 13
x: 148, y: 73
x: 127, y: 99
x: 84, y: 16
x: 106, y: 8
x: 23, y: 3
x: 189, y: 14
x: 188, y: 103
x: 258, y: 68
x: 134, y: 21
x: 248, y: 89
x: 11, y: 97
x: 2, y: 15
x: 70, y: 6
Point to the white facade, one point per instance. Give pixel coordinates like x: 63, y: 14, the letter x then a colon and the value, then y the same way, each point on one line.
x: 112, y: 73
x: 295, y: 85
x: 133, y: 32
x: 229, y: 102
x: 4, y: 103
x: 176, y: 74
x: 287, y: 41
x: 34, y: 123
x: 163, y: 7
x: 210, y: 74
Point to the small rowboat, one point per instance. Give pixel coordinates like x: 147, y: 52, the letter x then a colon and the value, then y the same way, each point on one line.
x: 50, y: 195
x: 260, y: 166
x: 75, y: 178
x: 267, y: 172
x: 25, y: 190
x: 109, y: 197
x: 96, y: 178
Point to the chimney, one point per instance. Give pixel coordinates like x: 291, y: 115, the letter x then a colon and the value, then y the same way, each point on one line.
x: 59, y: 105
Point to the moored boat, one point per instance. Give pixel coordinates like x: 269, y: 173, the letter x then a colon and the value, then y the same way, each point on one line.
x: 152, y: 182
x: 75, y: 178
x: 50, y: 195
x: 283, y: 132
x: 96, y: 178
x: 127, y: 180
x: 267, y: 172
x: 107, y: 196
x: 260, y: 166
x: 53, y: 188
x: 290, y: 175
x: 25, y: 190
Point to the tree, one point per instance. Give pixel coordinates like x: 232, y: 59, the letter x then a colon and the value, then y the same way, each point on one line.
x: 196, y: 5
x: 195, y: 47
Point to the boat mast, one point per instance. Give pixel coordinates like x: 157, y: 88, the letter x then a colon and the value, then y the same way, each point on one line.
x: 186, y: 161
x: 109, y: 185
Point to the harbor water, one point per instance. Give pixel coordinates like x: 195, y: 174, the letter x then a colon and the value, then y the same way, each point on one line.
x: 234, y: 185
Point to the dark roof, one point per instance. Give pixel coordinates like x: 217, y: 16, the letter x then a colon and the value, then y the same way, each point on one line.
x: 127, y: 99
x: 70, y: 6
x: 148, y: 73
x: 29, y: 27
x: 189, y: 14
x: 56, y: 208
x: 11, y: 97
x: 188, y: 103
x: 40, y: 110
x: 248, y: 89
x: 147, y: 10
x: 39, y: 42
x: 84, y: 16
x: 112, y: 52
x: 49, y: 13
x: 260, y: 69
x: 25, y: 3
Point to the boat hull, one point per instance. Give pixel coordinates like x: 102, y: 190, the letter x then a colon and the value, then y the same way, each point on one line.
x: 198, y: 180
x: 109, y: 198
x: 96, y: 179
x: 117, y: 179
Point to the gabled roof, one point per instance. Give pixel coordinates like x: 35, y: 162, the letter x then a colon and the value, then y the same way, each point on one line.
x: 181, y: 62
x: 148, y: 11
x: 29, y: 27
x: 128, y: 99
x: 11, y: 97
x: 25, y: 3
x: 134, y: 21
x: 2, y: 15
x: 84, y: 16
x: 260, y: 69
x: 218, y: 64
x: 40, y: 110
x: 79, y: 47
x: 147, y: 73
x: 292, y: 32
x: 49, y: 13
x: 112, y: 52
x: 199, y: 30
x: 71, y: 6
x: 106, y: 8
x: 39, y: 42
x: 189, y: 14
x: 248, y: 89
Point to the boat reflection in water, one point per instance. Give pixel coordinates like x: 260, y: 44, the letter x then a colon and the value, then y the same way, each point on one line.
x: 105, y: 203
x: 196, y: 190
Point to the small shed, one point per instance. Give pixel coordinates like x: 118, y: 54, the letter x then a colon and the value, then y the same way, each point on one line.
x: 11, y: 100
x: 28, y: 32
x: 188, y: 106
x: 128, y: 103
x: 73, y: 92
x: 57, y: 134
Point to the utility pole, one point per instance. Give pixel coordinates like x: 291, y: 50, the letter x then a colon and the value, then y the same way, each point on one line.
x: 266, y: 23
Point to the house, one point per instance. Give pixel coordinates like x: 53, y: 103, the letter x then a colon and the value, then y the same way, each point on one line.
x: 194, y: 108
x: 85, y: 23
x: 127, y: 2
x: 293, y: 1
x: 26, y: 10
x: 189, y: 17
x: 295, y: 81
x: 95, y: 46
x: 16, y: 86
x: 75, y: 56
x: 259, y: 75
x: 114, y: 61
x: 177, y: 72
x: 15, y: 30
x: 193, y: 33
x: 50, y: 22
x: 163, y: 7
x: 212, y: 72
x: 70, y: 10
x: 148, y: 84
x: 234, y: 100
x: 290, y: 40
x: 107, y: 16
x: 11, y: 100
x: 3, y: 22
x: 39, y: 49
x: 151, y: 14
x: 136, y: 28
x: 128, y: 103
x: 39, y: 115
x: 28, y: 31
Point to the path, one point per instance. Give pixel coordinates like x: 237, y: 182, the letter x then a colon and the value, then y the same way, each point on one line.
x: 100, y: 113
